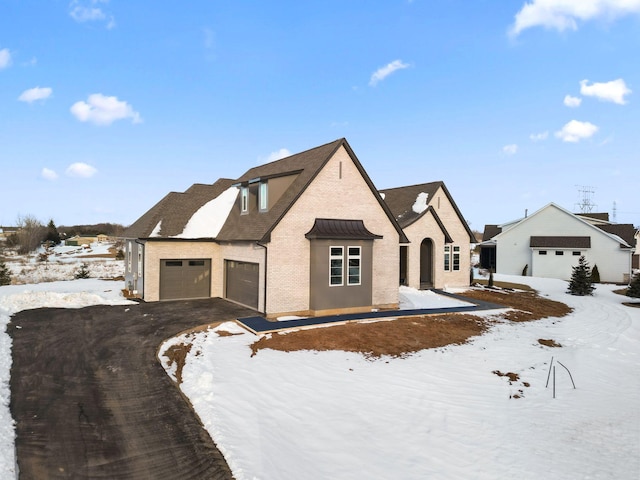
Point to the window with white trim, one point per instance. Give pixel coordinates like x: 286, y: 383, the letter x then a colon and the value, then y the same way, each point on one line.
x: 244, y: 199
x: 336, y: 266
x: 354, y: 262
x: 139, y: 260
x: 129, y: 256
x: 263, y: 199
x: 447, y: 258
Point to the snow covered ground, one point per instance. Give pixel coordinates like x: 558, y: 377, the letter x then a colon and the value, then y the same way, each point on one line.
x: 61, y: 294
x: 440, y: 413
x: 63, y: 263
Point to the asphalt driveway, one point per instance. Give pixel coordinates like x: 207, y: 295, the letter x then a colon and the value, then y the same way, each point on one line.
x: 91, y: 400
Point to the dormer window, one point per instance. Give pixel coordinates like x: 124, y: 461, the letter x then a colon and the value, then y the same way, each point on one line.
x: 244, y: 199
x: 263, y: 197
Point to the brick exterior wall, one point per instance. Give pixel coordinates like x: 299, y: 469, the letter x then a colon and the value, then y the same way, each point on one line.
x: 156, y: 251
x: 426, y: 227
x: 338, y: 192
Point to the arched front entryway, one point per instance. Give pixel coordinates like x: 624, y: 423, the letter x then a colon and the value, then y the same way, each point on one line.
x: 426, y: 263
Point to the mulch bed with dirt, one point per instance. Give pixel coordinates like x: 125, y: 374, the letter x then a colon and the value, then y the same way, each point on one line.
x: 406, y: 335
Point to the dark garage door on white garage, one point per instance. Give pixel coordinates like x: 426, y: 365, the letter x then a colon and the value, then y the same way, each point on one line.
x: 185, y: 278
x: 241, y: 282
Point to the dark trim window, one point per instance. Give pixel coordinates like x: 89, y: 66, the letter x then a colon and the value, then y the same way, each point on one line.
x: 173, y: 263
x: 576, y: 254
x: 336, y: 266
x: 542, y: 252
x: 196, y: 263
x: 447, y: 258
x: 559, y: 252
x: 354, y: 260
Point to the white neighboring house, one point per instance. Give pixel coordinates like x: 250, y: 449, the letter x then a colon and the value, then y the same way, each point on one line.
x: 550, y: 241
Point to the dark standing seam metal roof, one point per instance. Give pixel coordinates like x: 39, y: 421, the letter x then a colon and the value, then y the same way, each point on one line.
x: 560, y: 242
x: 327, y: 228
x: 402, y: 199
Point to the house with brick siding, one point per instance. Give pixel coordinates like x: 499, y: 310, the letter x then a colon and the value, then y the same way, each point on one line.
x: 305, y: 235
x: 438, y: 253
x: 549, y: 242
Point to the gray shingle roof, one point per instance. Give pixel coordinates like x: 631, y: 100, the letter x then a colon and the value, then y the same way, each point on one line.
x: 401, y: 200
x: 560, y: 242
x: 625, y: 231
x: 175, y: 209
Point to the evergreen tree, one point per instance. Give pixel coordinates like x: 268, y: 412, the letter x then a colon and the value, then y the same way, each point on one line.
x: 5, y: 274
x: 581, y: 282
x: 83, y: 271
x: 634, y: 287
x: 595, y: 274
x: 52, y: 233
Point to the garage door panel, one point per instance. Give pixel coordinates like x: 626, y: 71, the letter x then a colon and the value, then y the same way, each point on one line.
x: 185, y: 279
x: 242, y: 279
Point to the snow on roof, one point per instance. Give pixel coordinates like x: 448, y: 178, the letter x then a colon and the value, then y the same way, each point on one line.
x: 207, y: 221
x: 156, y: 230
x: 420, y: 204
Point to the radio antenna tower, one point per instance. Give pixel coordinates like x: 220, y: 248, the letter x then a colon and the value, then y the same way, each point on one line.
x: 586, y: 199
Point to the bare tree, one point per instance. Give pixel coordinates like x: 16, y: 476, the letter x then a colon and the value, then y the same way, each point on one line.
x: 30, y: 234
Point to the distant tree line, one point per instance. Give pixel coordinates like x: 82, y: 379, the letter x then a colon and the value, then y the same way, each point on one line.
x: 32, y: 233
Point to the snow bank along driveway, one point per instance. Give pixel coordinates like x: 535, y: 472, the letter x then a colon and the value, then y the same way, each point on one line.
x: 438, y: 414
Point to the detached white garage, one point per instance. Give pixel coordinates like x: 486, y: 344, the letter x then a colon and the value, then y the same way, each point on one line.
x: 185, y: 278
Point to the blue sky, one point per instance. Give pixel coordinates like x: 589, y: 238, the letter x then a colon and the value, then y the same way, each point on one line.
x: 107, y: 105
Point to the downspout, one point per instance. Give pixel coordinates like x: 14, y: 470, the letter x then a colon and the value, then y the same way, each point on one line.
x: 265, y: 276
x: 144, y: 255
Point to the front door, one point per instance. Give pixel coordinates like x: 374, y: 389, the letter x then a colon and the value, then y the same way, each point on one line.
x: 426, y: 263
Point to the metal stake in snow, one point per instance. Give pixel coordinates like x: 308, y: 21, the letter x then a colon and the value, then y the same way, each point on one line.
x: 552, y: 366
x: 570, y: 376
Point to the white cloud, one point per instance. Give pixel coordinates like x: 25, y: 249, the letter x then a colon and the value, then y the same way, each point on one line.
x: 278, y: 154
x: 385, y: 71
x: 613, y: 91
x: 574, y: 131
x: 36, y: 93
x: 5, y: 58
x: 90, y: 11
x: 49, y: 174
x: 102, y: 110
x: 510, y: 149
x: 563, y: 14
x: 81, y: 169
x: 572, y: 102
x: 537, y: 137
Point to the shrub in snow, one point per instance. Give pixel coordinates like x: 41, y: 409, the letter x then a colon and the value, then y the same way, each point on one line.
x: 525, y: 270
x: 581, y: 282
x: 83, y: 271
x: 490, y: 282
x: 634, y: 287
x: 5, y: 274
x: 595, y: 274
